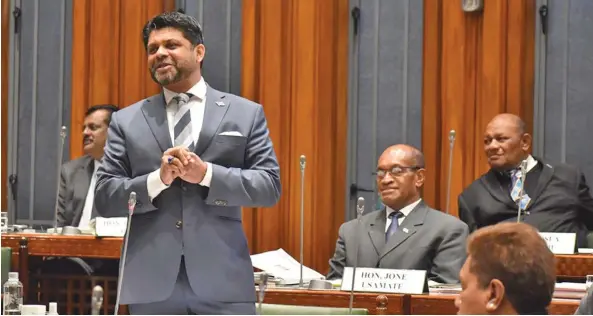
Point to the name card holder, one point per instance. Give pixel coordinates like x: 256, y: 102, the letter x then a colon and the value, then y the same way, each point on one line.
x: 111, y: 227
x: 384, y: 280
x: 560, y: 243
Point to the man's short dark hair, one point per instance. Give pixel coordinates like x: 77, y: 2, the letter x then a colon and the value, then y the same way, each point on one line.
x: 108, y: 107
x: 515, y: 254
x: 187, y: 24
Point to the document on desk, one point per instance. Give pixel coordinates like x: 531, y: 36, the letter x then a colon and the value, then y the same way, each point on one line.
x: 282, y: 266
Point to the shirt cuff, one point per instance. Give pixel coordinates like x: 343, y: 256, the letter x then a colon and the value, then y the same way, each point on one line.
x: 208, y: 176
x: 154, y: 184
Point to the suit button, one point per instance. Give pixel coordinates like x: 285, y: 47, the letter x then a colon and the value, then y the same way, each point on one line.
x: 178, y: 224
x: 183, y: 187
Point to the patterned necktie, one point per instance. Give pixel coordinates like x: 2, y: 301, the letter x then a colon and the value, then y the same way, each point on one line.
x: 517, y: 184
x: 182, y: 122
x: 393, y: 226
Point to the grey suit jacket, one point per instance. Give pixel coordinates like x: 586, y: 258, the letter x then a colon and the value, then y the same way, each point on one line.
x: 586, y: 305
x: 75, y: 179
x: 434, y: 242
x: 203, y: 223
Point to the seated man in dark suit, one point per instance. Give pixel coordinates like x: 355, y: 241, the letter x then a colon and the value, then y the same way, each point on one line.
x: 556, y: 197
x: 406, y: 234
x: 76, y: 196
x: 78, y: 176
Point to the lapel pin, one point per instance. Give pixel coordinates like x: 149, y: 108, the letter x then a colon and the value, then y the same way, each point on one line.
x: 219, y: 103
x: 405, y: 230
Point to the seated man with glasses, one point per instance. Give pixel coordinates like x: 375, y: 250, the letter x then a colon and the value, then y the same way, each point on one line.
x: 406, y: 234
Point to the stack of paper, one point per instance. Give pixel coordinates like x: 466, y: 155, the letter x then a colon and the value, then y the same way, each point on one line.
x: 283, y: 267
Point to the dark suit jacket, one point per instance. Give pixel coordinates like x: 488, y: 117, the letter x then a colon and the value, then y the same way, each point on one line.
x: 75, y: 179
x: 561, y: 203
x: 434, y: 242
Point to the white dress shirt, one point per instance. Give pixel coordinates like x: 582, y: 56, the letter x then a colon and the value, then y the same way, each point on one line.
x: 531, y: 162
x: 87, y: 211
x: 197, y: 105
x: 405, y: 211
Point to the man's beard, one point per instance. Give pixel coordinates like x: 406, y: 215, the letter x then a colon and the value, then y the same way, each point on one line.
x: 166, y: 79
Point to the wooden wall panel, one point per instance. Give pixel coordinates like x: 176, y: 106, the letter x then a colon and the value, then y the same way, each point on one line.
x: 295, y: 61
x: 5, y: 74
x: 476, y: 65
x: 108, y: 58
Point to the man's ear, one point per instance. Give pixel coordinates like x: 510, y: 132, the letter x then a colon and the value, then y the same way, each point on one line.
x: 496, y: 296
x: 420, y: 177
x: 200, y: 51
x: 526, y: 142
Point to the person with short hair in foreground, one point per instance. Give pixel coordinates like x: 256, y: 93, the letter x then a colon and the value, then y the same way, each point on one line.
x: 509, y: 270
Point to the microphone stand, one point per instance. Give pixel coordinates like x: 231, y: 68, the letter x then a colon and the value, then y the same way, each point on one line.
x: 131, y: 207
x: 359, y: 211
x: 60, y: 157
x: 451, y: 145
x: 523, y: 169
x: 303, y: 162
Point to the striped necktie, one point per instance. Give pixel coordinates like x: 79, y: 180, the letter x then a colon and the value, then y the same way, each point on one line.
x: 183, y: 128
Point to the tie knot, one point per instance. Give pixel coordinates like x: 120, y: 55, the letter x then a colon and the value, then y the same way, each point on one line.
x: 182, y: 98
x: 396, y: 214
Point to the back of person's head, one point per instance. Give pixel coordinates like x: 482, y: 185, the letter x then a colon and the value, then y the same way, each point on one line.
x: 187, y: 24
x: 509, y: 270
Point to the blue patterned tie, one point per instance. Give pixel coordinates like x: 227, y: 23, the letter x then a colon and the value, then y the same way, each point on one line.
x: 516, y: 184
x: 393, y: 226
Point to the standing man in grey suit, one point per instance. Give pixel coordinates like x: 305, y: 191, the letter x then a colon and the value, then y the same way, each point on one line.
x: 78, y: 176
x: 194, y: 156
x: 406, y: 234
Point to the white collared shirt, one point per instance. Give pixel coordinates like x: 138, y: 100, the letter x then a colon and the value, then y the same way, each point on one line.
x: 197, y: 104
x: 87, y: 210
x: 531, y: 162
x: 405, y: 211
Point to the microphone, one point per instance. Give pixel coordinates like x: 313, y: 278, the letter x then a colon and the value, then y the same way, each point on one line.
x: 122, y: 264
x: 96, y: 300
x: 303, y: 162
x: 63, y: 131
x: 263, y: 284
x: 359, y: 212
x: 523, y: 168
x: 451, y: 145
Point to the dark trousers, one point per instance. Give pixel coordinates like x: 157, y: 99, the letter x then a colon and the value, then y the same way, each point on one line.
x: 183, y: 301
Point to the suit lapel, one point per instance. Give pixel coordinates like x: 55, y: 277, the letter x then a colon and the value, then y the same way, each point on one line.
x: 544, y: 179
x: 376, y: 231
x: 407, y: 229
x: 216, y: 107
x: 493, y: 186
x: 82, y: 181
x: 156, y: 116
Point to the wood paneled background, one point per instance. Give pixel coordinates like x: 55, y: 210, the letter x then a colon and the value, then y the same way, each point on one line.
x: 295, y: 62
x: 4, y: 142
x: 108, y: 58
x: 476, y: 65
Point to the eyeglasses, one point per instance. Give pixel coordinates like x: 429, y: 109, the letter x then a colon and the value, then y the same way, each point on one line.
x: 396, y: 171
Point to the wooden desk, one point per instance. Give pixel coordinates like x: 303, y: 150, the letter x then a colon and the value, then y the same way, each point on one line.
x: 577, y: 265
x: 445, y: 305
x: 395, y: 304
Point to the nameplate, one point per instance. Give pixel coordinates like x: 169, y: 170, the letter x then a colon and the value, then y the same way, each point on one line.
x: 560, y: 243
x: 384, y: 280
x: 111, y: 227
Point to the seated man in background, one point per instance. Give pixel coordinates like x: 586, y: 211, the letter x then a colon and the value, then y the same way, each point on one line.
x: 509, y: 270
x: 557, y: 197
x: 76, y: 205
x: 406, y: 234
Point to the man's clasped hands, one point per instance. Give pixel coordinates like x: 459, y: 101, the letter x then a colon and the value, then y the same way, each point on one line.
x: 181, y: 162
